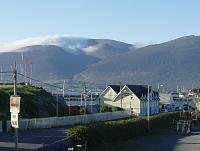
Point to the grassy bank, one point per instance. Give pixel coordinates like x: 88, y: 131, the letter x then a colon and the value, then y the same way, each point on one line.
x: 35, y: 102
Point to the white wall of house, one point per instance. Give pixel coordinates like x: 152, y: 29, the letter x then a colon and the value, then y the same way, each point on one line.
x: 107, y: 97
x: 130, y: 101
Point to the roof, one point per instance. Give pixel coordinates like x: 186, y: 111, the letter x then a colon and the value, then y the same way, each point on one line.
x: 138, y: 90
x: 116, y: 88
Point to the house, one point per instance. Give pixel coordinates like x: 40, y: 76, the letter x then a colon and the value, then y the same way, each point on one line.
x: 132, y: 97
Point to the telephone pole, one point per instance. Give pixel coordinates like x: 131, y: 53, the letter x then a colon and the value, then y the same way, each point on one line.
x: 63, y: 89
x: 57, y: 104
x: 85, y: 91
x: 121, y: 94
x: 15, y: 93
x: 31, y: 73
x: 148, y: 109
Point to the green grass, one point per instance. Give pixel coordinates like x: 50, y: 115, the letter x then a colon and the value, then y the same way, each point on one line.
x: 35, y: 102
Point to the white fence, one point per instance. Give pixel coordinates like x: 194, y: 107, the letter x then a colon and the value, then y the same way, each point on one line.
x: 37, y: 123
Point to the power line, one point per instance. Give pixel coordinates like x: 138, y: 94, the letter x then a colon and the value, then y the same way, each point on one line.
x: 5, y: 72
x: 39, y: 81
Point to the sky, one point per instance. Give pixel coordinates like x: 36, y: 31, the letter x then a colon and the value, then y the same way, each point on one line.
x: 148, y: 21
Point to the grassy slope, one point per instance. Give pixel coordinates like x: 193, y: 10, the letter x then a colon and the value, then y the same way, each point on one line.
x: 35, y: 102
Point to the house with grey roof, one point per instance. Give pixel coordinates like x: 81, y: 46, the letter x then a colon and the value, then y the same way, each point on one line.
x: 131, y: 97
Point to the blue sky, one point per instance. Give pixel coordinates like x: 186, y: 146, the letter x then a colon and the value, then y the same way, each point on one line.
x: 151, y: 21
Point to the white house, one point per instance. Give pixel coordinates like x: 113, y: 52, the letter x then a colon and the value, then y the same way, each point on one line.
x: 133, y: 97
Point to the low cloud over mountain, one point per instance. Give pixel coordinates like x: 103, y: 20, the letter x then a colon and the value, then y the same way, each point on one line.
x: 74, y: 45
x: 102, y: 60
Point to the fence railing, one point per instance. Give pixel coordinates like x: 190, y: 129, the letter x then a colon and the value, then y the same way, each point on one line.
x: 38, y: 123
x: 1, y: 129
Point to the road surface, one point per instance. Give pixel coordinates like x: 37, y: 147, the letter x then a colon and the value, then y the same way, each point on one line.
x: 29, y: 140
x: 168, y: 142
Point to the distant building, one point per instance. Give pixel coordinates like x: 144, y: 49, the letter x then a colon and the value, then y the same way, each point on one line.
x: 133, y: 97
x: 75, y: 101
x: 181, y: 100
x: 80, y: 99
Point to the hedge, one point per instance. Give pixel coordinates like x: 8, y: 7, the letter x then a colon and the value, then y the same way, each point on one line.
x: 120, y: 130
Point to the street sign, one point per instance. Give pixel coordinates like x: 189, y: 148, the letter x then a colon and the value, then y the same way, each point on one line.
x: 14, y: 120
x: 15, y: 104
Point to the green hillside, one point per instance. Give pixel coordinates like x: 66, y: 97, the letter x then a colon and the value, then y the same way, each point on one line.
x: 35, y: 102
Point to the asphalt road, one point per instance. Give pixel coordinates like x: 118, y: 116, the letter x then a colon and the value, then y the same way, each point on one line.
x: 169, y: 141
x: 29, y: 140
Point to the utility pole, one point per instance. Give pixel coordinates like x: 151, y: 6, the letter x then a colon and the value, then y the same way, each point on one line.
x: 91, y: 102
x: 57, y: 104
x: 85, y: 93
x: 1, y: 73
x: 63, y: 89
x: 121, y: 94
x: 81, y: 100
x: 25, y: 73
x: 15, y: 93
x: 69, y: 106
x: 31, y: 73
x: 148, y: 109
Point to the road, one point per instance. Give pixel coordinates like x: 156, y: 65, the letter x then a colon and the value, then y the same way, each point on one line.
x: 29, y: 140
x: 168, y: 142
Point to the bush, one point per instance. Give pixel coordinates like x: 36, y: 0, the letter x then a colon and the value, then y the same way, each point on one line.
x: 163, y: 120
x: 106, y: 109
x: 114, y: 109
x: 83, y: 111
x: 79, y: 133
x: 101, y: 133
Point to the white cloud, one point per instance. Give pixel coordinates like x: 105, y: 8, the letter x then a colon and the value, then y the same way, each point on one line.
x: 143, y: 44
x: 65, y: 41
x: 90, y: 49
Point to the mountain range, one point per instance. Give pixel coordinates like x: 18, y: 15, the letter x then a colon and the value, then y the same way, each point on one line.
x: 171, y: 63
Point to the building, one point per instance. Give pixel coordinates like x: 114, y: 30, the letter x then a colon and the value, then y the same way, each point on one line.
x: 75, y: 101
x: 132, y: 97
x: 182, y: 100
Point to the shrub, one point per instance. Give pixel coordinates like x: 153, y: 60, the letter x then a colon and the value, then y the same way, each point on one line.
x: 79, y: 133
x: 101, y: 133
x: 83, y: 111
x: 114, y: 109
x: 106, y: 109
x: 163, y: 120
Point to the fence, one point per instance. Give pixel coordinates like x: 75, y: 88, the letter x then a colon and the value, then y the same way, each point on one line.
x: 38, y: 123
x: 1, y: 130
